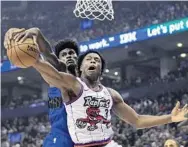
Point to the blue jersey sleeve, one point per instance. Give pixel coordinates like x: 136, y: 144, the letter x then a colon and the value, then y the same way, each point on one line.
x: 54, y: 92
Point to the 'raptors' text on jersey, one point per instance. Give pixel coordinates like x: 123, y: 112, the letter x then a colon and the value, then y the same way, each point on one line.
x: 89, y: 117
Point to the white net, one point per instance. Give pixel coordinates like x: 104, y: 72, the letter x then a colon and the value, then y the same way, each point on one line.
x: 94, y: 9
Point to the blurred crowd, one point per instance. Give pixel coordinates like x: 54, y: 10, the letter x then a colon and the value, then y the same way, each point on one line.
x: 56, y: 25
x: 150, y: 78
x: 24, y: 132
x: 30, y: 132
x: 156, y: 136
x: 21, y: 101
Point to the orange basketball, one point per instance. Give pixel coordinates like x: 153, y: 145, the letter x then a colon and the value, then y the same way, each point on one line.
x: 24, y: 54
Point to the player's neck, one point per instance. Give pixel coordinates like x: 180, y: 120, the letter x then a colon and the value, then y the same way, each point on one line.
x: 91, y: 83
x: 72, y: 71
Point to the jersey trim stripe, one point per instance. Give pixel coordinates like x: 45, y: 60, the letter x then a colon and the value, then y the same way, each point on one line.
x: 74, y: 122
x: 102, y: 142
x: 77, y: 97
x: 111, y: 95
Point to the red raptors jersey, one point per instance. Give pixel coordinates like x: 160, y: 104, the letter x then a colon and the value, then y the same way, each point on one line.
x: 89, y: 116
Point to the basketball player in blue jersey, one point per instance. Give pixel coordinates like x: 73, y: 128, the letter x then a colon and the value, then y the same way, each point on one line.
x: 89, y: 106
x: 66, y: 52
x: 64, y: 60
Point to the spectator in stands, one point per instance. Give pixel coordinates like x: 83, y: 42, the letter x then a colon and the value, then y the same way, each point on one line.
x: 171, y: 143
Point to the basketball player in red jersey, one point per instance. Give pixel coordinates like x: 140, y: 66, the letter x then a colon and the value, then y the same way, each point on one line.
x: 88, y: 115
x: 88, y: 112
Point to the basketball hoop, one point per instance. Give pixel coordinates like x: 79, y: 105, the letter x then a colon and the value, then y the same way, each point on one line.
x: 94, y: 9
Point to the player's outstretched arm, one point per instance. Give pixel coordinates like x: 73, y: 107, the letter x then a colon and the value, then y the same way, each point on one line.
x: 43, y: 45
x: 129, y: 115
x: 59, y: 79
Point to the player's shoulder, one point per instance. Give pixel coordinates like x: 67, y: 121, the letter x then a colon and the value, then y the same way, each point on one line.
x: 115, y: 95
x: 111, y: 91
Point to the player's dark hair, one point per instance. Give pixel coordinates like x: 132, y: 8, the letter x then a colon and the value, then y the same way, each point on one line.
x: 67, y: 43
x: 81, y: 58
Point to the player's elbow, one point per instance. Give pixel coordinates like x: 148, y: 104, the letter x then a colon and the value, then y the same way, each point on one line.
x: 52, y: 59
x: 139, y: 122
x: 134, y: 121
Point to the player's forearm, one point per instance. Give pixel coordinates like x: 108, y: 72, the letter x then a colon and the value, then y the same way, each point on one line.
x: 49, y: 79
x: 43, y: 44
x: 45, y: 68
x: 147, y: 121
x: 56, y: 78
x: 46, y: 50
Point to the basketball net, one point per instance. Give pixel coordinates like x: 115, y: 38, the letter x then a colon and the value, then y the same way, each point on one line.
x: 94, y: 9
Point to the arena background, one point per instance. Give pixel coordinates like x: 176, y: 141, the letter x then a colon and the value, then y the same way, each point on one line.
x: 146, y: 49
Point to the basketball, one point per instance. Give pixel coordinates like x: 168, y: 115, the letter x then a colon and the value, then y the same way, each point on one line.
x: 24, y: 54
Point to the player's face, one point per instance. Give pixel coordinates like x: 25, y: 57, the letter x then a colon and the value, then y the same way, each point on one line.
x: 68, y: 56
x: 170, y: 143
x: 91, y: 65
